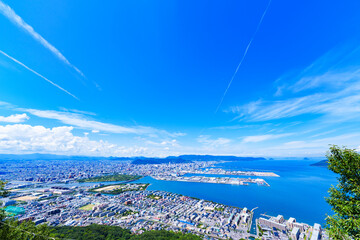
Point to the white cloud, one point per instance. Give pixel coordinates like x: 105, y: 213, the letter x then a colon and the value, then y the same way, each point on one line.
x: 8, y: 12
x: 261, y: 138
x: 23, y: 138
x: 15, y: 118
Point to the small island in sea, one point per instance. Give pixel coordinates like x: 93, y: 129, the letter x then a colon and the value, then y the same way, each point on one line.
x: 322, y: 163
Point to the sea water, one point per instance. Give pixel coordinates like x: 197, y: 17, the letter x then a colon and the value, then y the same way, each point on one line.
x: 299, y: 192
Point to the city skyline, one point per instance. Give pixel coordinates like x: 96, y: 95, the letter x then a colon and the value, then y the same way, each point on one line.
x: 264, y: 78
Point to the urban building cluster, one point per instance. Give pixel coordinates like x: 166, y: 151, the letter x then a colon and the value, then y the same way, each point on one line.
x: 270, y: 227
x: 136, y: 210
x: 53, y: 171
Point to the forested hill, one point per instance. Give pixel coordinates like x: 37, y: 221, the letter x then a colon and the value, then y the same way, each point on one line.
x: 159, y: 161
x: 218, y: 158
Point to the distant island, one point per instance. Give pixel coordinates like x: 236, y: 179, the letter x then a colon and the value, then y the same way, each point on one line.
x: 111, y: 178
x: 323, y: 163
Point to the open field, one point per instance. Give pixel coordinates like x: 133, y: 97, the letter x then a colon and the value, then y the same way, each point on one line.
x: 88, y: 207
x: 120, y: 188
x: 108, y: 188
x: 26, y: 198
x: 15, y: 190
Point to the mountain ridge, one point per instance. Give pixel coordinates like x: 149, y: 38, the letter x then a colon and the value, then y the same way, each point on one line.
x: 181, y: 158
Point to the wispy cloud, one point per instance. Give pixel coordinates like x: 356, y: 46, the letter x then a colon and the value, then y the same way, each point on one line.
x: 329, y: 71
x: 324, y: 97
x: 8, y: 12
x: 344, y: 103
x: 15, y: 118
x: 83, y: 122
x: 77, y: 111
x: 210, y: 142
x: 38, y: 74
x: 261, y: 138
x: 343, y: 139
x: 6, y: 105
x: 329, y: 87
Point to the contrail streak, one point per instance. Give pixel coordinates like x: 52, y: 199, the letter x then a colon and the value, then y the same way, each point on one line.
x: 243, y: 57
x: 8, y: 12
x: 38, y: 74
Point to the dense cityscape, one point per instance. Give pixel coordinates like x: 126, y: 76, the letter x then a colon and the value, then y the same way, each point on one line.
x: 78, y: 193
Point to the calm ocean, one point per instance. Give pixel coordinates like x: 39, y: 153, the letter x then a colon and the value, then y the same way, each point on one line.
x: 299, y: 192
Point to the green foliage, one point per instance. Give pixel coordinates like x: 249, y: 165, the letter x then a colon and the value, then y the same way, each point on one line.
x: 345, y: 197
x: 3, y: 192
x: 111, y: 178
x: 261, y: 232
x: 127, y: 213
x: 104, y: 232
x: 92, y: 232
x: 165, y: 235
x: 155, y: 197
x: 13, y: 230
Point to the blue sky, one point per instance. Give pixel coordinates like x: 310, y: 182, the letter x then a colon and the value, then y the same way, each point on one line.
x: 126, y: 78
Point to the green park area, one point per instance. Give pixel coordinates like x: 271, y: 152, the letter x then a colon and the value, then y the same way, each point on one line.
x: 111, y: 178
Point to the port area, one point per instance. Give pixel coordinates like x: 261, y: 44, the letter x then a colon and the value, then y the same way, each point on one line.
x: 219, y: 171
x: 219, y: 180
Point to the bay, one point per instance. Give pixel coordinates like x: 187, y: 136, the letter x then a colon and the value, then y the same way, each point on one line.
x: 299, y: 192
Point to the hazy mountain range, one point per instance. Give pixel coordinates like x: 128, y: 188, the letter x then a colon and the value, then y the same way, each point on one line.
x: 136, y: 160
